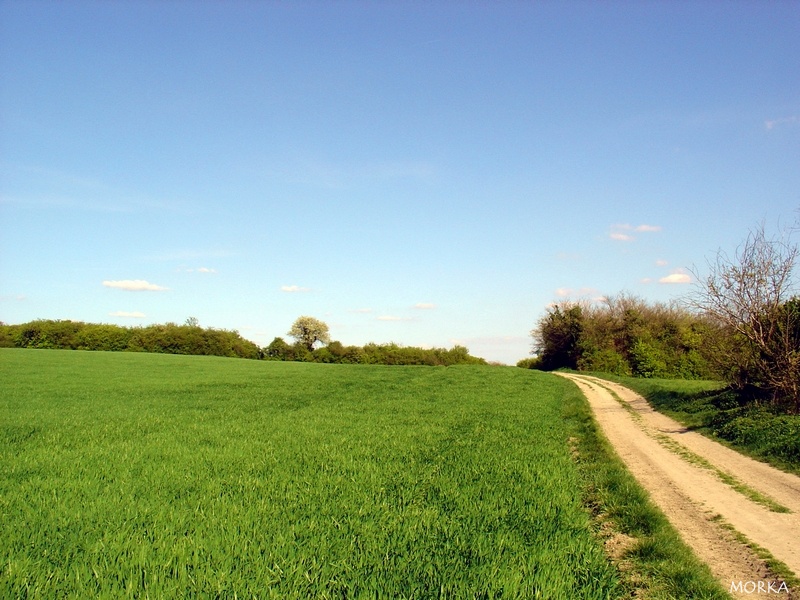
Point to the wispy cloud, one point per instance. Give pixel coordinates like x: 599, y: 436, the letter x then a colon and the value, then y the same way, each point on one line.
x: 621, y: 237
x: 393, y: 318
x: 424, y: 306
x: 621, y: 232
x: 676, y: 277
x: 127, y: 314
x: 363, y: 311
x: 773, y: 123
x: 294, y: 289
x: 661, y: 263
x: 200, y: 270
x: 134, y: 285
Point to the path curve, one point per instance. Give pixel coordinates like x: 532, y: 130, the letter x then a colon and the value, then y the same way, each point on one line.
x: 691, y: 495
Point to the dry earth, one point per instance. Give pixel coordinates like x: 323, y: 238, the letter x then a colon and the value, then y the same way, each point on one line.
x: 693, y: 496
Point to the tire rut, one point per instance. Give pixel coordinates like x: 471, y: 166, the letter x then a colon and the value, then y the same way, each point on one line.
x: 692, y: 496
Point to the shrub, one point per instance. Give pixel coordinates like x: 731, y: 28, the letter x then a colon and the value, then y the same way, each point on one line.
x: 765, y: 433
x: 606, y: 361
x: 647, y: 360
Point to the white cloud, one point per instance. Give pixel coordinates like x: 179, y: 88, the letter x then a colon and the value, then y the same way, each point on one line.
x: 292, y: 289
x: 134, y: 285
x: 618, y: 231
x: 772, y: 124
x: 424, y: 306
x: 662, y: 263
x: 621, y: 237
x: 676, y: 277
x: 132, y: 315
x: 389, y: 318
x: 362, y: 311
x: 199, y: 270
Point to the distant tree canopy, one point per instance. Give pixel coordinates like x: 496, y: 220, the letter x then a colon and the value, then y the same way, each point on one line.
x: 190, y: 338
x: 168, y: 338
x: 370, y: 354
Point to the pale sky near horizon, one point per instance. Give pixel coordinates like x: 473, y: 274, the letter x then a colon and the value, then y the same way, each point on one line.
x: 424, y: 173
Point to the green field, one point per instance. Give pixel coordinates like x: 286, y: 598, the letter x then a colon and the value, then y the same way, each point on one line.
x: 160, y: 476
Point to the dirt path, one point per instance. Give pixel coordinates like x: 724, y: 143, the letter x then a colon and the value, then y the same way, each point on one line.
x: 663, y: 456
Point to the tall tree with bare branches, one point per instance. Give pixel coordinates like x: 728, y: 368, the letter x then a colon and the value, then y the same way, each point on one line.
x: 752, y: 296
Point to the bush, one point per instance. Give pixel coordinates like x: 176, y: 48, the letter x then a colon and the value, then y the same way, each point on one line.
x: 110, y: 338
x: 765, y: 433
x: 606, y: 361
x: 647, y: 360
x: 528, y: 363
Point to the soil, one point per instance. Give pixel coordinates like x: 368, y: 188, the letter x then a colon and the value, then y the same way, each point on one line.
x: 693, y: 497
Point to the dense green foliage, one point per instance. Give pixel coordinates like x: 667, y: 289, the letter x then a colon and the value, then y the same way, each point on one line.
x: 371, y: 354
x: 168, y: 339
x: 136, y: 475
x: 625, y: 336
x: 743, y: 418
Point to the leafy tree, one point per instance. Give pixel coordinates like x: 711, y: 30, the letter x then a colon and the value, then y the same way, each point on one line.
x: 278, y: 349
x: 308, y: 331
x: 557, y: 337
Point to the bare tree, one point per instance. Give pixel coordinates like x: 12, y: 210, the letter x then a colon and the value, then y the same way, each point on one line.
x: 751, y: 296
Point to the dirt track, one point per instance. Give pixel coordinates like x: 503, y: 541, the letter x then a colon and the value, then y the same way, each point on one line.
x: 690, y: 495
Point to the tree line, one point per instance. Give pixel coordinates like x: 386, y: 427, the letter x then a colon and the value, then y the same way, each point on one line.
x: 741, y: 324
x: 312, y: 344
x: 370, y: 354
x: 169, y: 338
x: 624, y: 335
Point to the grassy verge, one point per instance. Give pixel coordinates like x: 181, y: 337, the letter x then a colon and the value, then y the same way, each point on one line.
x: 652, y: 559
x: 710, y: 408
x: 690, y: 457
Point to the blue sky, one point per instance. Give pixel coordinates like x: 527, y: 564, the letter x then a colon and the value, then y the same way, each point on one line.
x: 424, y: 173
